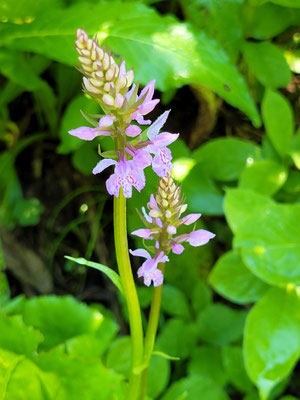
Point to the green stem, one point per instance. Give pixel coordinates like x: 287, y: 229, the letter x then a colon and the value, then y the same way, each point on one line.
x: 151, y: 332
x: 134, y: 311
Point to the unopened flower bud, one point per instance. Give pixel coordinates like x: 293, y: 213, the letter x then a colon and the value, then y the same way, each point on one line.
x: 106, y: 61
x: 165, y: 203
x: 155, y: 213
x: 119, y: 100
x: 108, y: 100
x: 109, y: 74
x: 107, y: 86
x: 171, y: 230
x: 168, y: 214
x: 129, y: 78
x: 97, y: 83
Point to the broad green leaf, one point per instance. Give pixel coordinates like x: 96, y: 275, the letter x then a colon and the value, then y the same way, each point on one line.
x: 177, y: 338
x: 272, y: 338
x: 14, y: 66
x: 60, y: 318
x: 234, y: 281
x: 207, y: 361
x: 110, y: 273
x: 92, y: 345
x: 289, y: 398
x: 267, y: 63
x: 265, y: 177
x: 279, y: 121
x: 201, y: 192
x: 201, y: 296
x: 174, y: 302
x: 119, y: 359
x: 20, y: 378
x: 233, y: 362
x: 15, y: 336
x: 225, y: 158
x: 77, y: 378
x: 195, y: 387
x: 24, y: 11
x: 221, y: 20
x: 267, y: 235
x: 119, y: 356
x: 241, y: 205
x: 85, y: 158
x: 157, y: 46
x: 220, y: 325
x: 279, y: 19
x: 158, y: 376
x: 72, y: 119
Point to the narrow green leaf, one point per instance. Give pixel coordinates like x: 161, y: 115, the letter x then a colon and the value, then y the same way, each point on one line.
x: 110, y: 273
x: 165, y: 355
x: 279, y: 121
x: 272, y: 338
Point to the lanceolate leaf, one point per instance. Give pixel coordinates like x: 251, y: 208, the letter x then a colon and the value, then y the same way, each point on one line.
x: 156, y: 46
x: 110, y: 273
x: 272, y: 338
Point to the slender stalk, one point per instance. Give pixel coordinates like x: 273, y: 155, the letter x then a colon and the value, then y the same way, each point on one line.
x: 151, y: 332
x: 134, y: 311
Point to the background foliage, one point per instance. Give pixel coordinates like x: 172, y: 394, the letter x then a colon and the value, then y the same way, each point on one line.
x: 229, y: 70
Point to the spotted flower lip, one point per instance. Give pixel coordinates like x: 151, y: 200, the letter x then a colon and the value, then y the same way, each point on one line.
x: 149, y: 269
x: 125, y: 175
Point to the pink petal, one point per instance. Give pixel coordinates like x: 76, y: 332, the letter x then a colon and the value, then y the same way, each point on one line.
x: 112, y: 185
x: 140, y: 253
x: 157, y: 277
x: 171, y: 229
x: 147, y: 107
x: 146, y: 216
x: 157, y: 125
x: 200, y: 237
x: 107, y: 120
x: 133, y: 130
x: 142, y: 159
x: 122, y: 69
x: 149, y: 89
x: 139, y: 118
x: 190, y: 219
x: 84, y: 133
x: 177, y: 248
x: 143, y: 233
x: 103, y: 164
x: 165, y: 139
